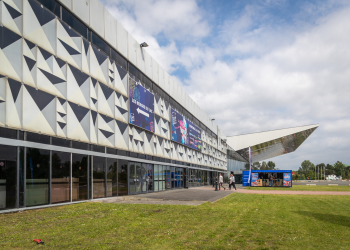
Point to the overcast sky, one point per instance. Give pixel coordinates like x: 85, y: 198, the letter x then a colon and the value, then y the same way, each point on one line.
x: 256, y: 65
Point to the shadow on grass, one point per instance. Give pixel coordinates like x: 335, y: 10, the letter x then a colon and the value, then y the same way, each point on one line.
x: 330, y: 218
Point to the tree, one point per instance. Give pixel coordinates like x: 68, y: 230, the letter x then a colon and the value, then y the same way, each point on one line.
x: 339, y: 168
x: 256, y: 166
x: 271, y: 165
x: 329, y: 169
x: 246, y: 166
x: 307, y: 168
x: 264, y: 166
x: 295, y: 176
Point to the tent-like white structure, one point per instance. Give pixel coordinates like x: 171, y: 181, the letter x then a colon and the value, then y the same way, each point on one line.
x: 268, y: 144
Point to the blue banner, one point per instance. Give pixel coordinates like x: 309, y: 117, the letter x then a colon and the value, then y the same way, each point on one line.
x: 287, y: 179
x: 185, y: 132
x: 141, y: 106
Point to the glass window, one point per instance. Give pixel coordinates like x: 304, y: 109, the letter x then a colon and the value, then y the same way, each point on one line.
x: 80, y: 145
x: 79, y: 177
x: 156, y: 177
x: 100, y: 44
x: 112, y: 177
x: 60, y: 189
x: 111, y: 151
x: 150, y: 177
x: 8, y: 133
x: 96, y: 148
x: 135, y: 72
x: 60, y: 142
x: 39, y: 138
x: 119, y: 59
x: 132, y: 154
x: 74, y: 22
x: 51, y: 5
x: 8, y: 177
x: 99, y: 185
x: 37, y: 177
x: 123, y: 152
x: 21, y: 177
x: 122, y: 177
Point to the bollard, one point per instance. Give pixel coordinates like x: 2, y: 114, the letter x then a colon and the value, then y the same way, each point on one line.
x: 216, y: 186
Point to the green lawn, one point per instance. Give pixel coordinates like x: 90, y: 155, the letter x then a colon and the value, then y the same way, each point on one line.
x: 305, y: 188
x: 239, y: 221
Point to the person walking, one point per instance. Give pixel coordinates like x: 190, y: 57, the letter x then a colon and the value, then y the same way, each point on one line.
x: 232, y: 182
x: 271, y: 181
x: 221, y: 181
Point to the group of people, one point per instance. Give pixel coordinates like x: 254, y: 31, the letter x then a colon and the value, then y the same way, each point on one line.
x: 231, y: 182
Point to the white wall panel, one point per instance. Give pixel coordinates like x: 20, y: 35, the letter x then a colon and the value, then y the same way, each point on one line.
x: 97, y: 21
x: 140, y: 59
x: 82, y: 9
x: 167, y: 84
x: 67, y: 3
x: 171, y: 91
x: 155, y: 75
x: 133, y: 45
x: 110, y: 28
x: 166, y: 80
x: 161, y: 77
x: 122, y: 40
x: 148, y: 64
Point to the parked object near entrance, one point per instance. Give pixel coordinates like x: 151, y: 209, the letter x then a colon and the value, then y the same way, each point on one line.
x: 268, y: 178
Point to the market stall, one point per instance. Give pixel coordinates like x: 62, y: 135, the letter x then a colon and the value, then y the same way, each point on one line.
x: 268, y: 178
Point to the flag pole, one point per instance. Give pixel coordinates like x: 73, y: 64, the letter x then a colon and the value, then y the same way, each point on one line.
x: 250, y: 167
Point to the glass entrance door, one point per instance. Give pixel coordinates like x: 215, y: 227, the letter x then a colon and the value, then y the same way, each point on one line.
x: 139, y: 179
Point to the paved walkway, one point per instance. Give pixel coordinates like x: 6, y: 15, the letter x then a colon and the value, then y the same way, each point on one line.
x: 247, y: 191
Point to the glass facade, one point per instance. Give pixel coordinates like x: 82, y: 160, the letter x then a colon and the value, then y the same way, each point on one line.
x: 60, y: 181
x: 37, y: 177
x: 52, y: 177
x: 8, y: 177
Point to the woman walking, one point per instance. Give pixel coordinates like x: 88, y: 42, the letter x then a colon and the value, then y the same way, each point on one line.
x: 221, y: 181
x: 232, y: 182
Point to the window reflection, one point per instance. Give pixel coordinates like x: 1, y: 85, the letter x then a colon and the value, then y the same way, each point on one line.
x: 8, y: 176
x: 79, y: 177
x: 122, y: 177
x: 60, y: 191
x: 99, y: 177
x: 112, y: 177
x: 37, y: 177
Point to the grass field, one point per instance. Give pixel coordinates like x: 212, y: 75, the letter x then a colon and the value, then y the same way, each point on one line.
x: 305, y: 188
x: 239, y: 221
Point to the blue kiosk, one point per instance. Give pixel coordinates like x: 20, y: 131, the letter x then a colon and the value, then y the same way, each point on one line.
x: 268, y: 178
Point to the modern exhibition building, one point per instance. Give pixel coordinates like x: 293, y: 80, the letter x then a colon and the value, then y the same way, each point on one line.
x: 87, y: 113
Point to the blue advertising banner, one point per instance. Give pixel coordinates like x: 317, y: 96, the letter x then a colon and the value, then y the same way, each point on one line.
x: 287, y: 178
x: 185, y: 132
x: 141, y: 106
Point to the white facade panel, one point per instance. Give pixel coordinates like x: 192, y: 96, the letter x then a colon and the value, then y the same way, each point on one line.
x: 171, y: 90
x: 161, y: 77
x: 110, y: 28
x: 167, y: 84
x: 133, y: 45
x: 97, y: 21
x: 148, y: 64
x: 122, y: 40
x: 67, y: 3
x: 82, y: 9
x: 140, y: 58
x: 155, y: 74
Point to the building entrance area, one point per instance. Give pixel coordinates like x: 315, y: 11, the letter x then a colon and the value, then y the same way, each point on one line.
x: 140, y: 178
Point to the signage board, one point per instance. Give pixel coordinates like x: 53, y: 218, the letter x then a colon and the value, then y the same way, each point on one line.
x: 141, y: 106
x: 255, y: 180
x: 185, y: 132
x: 287, y: 179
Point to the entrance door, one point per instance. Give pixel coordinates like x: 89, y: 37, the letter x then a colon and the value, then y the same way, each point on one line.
x: 138, y: 177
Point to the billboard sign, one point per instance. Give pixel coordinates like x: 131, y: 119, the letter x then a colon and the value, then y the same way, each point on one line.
x: 185, y: 132
x: 287, y: 179
x: 255, y: 180
x: 141, y: 106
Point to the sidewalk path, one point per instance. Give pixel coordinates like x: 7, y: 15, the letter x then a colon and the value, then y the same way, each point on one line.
x: 247, y: 191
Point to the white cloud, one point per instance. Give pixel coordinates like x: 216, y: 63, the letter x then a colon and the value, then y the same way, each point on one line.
x: 261, y: 76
